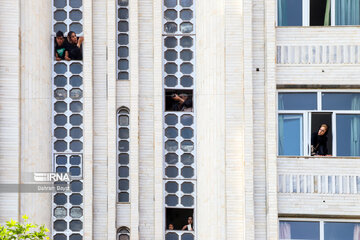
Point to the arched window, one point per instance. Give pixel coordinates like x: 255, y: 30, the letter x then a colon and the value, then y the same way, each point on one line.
x: 123, y: 147
x: 123, y: 233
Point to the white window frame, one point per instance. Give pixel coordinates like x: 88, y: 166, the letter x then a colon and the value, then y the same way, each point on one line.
x: 321, y: 221
x: 306, y: 13
x: 306, y: 128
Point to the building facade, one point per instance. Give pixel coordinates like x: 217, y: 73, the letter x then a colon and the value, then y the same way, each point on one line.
x: 183, y: 108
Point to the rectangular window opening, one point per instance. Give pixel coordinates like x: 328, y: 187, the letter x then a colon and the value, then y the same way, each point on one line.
x: 178, y: 100
x: 178, y: 219
x: 321, y: 142
x: 320, y: 12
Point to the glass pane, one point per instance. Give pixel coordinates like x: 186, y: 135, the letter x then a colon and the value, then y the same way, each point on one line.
x: 123, y: 172
x: 76, y: 119
x: 76, y: 186
x: 171, y: 200
x: 75, y: 15
x: 124, y: 158
x: 123, y: 184
x: 60, y: 225
x: 348, y: 135
x: 76, y: 80
x: 76, y: 199
x: 187, y: 187
x: 343, y: 231
x: 347, y: 12
x: 76, y: 146
x: 75, y: 237
x: 76, y: 212
x: 290, y: 134
x: 171, y: 187
x: 297, y: 101
x: 289, y: 12
x: 171, y: 158
x: 76, y: 132
x: 187, y: 172
x: 186, y: 27
x: 76, y: 68
x: 341, y: 101
x: 299, y: 230
x: 60, y: 119
x: 123, y: 120
x: 61, y: 160
x: 123, y: 197
x: 75, y: 160
x: 76, y: 225
x: 187, y: 201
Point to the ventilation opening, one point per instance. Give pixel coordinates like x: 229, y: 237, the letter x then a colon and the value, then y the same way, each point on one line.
x: 319, y: 15
x: 178, y: 100
x: 317, y: 119
x: 64, y: 50
x: 178, y: 218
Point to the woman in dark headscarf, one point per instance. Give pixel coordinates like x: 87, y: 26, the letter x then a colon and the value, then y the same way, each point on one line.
x: 319, y: 141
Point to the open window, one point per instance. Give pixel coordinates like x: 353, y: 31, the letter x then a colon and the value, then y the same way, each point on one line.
x: 302, y: 114
x: 178, y: 218
x: 178, y: 100
x: 320, y: 12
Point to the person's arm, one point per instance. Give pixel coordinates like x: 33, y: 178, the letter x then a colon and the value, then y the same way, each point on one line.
x: 184, y: 228
x: 179, y: 99
x: 57, y: 56
x: 67, y: 55
x: 81, y: 39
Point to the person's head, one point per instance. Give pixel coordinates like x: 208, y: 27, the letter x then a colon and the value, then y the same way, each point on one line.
x: 190, y: 220
x: 59, y: 38
x: 323, y: 129
x: 171, y: 227
x: 72, y: 39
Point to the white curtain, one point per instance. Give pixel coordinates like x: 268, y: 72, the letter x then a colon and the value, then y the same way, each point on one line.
x: 355, y: 128
x: 285, y: 231
x: 347, y: 12
x: 357, y: 232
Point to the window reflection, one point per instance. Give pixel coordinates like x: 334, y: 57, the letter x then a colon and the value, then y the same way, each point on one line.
x: 290, y: 134
x: 348, y: 135
x: 299, y: 230
x: 289, y: 12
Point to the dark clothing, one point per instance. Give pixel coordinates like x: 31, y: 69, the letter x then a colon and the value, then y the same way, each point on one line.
x: 75, y: 53
x: 319, y: 144
x: 60, y: 50
x: 181, y: 107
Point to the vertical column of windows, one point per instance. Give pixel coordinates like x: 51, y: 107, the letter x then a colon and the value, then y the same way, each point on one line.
x: 123, y: 40
x: 179, y: 119
x: 123, y: 156
x: 67, y: 126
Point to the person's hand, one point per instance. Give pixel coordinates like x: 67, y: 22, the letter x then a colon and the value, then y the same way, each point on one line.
x: 176, y: 97
x: 58, y: 59
x: 80, y: 40
x: 67, y: 58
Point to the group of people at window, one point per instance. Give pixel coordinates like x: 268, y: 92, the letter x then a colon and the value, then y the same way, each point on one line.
x: 69, y: 48
x: 188, y: 227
